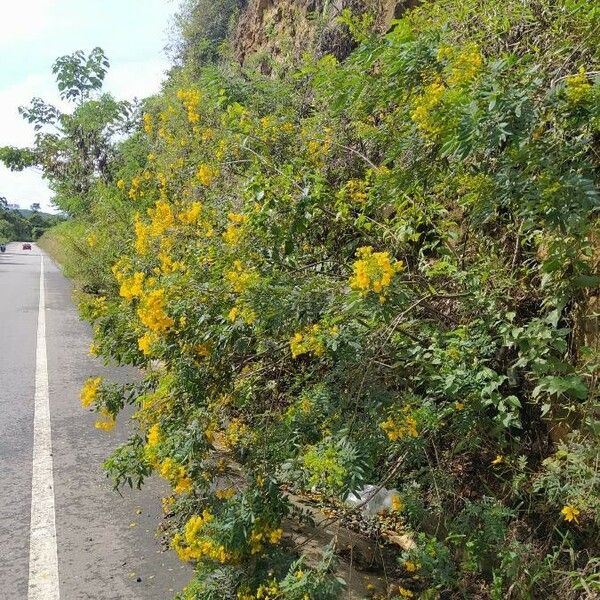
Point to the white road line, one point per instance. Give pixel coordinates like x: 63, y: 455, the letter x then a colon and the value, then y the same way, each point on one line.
x: 43, y: 555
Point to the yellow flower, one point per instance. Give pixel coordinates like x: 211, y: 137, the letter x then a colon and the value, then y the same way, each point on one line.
x: 373, y: 271
x: 397, y: 504
x: 202, y: 350
x: 237, y: 218
x: 152, y: 312
x: 578, y: 87
x: 405, y: 593
x: 395, y: 429
x: 570, y: 513
x: 107, y: 425
x: 190, y: 100
x: 309, y: 340
x: 236, y: 430
x: 225, y: 494
x: 168, y: 265
x: 275, y: 536
x: 207, y: 174
x: 423, y: 115
x: 356, y: 191
x: 142, y: 236
x: 167, y: 504
x: 464, y: 64
x: 174, y: 473
x: 233, y: 233
x: 240, y: 278
x: 190, y: 216
x: 411, y: 567
x: 184, y: 484
x: 195, y: 544
x: 148, y: 123
x: 162, y: 218
x: 207, y: 135
x: 146, y: 342
x: 498, y: 460
x: 132, y: 287
x: 90, y: 391
x: 154, y: 436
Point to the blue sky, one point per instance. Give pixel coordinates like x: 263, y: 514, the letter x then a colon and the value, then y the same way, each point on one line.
x: 133, y: 33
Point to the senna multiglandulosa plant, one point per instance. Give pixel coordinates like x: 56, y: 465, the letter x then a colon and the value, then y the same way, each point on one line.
x: 362, y: 272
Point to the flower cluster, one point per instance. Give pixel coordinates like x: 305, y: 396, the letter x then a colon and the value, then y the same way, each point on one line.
x: 464, y: 64
x: 239, y: 277
x: 175, y: 474
x: 309, y: 340
x: 267, y: 591
x: 262, y: 534
x: 108, y: 422
x: 132, y: 287
x: 190, y: 100
x: 196, y: 545
x: 373, y: 271
x: 424, y: 106
x: 233, y: 233
x: 162, y: 217
x: 152, y: 312
x: 192, y: 214
x: 578, y: 88
x: 148, y: 123
x: 398, y: 428
x: 206, y: 174
x: 89, y: 392
x: 242, y: 312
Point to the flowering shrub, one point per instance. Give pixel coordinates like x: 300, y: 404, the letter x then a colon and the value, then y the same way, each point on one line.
x: 364, y: 272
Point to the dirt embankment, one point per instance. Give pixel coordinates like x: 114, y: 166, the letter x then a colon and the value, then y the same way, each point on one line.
x: 281, y: 31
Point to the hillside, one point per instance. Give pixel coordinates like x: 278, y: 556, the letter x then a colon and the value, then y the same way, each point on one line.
x: 353, y: 246
x: 23, y: 224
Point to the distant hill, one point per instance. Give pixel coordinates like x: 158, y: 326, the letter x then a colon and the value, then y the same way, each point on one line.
x: 26, y: 212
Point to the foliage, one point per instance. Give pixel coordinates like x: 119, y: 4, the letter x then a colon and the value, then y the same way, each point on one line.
x: 201, y: 27
x: 369, y: 271
x: 18, y: 225
x: 74, y: 150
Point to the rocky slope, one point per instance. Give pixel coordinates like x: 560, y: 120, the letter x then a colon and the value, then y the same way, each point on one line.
x: 282, y: 30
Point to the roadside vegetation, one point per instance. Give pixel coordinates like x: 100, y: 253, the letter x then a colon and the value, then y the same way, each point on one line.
x: 18, y: 224
x: 378, y: 271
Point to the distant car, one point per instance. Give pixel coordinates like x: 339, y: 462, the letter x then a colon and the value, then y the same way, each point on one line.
x: 26, y: 246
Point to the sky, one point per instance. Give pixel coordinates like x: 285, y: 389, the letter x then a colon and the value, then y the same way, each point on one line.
x: 33, y: 33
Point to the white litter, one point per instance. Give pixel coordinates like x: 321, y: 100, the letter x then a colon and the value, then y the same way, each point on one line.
x: 372, y: 500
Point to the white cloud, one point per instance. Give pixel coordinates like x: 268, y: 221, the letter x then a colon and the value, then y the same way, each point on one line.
x: 14, y: 130
x: 25, y: 20
x: 125, y: 81
x: 138, y: 79
x: 34, y: 32
x: 24, y: 188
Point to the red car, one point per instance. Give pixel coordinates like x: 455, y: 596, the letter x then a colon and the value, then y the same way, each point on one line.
x: 26, y: 246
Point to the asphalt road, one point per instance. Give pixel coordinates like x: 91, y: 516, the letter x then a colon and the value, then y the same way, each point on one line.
x: 106, y: 543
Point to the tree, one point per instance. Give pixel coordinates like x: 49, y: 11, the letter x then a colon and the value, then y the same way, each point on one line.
x: 201, y: 26
x: 35, y: 207
x: 12, y: 224
x: 74, y: 149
